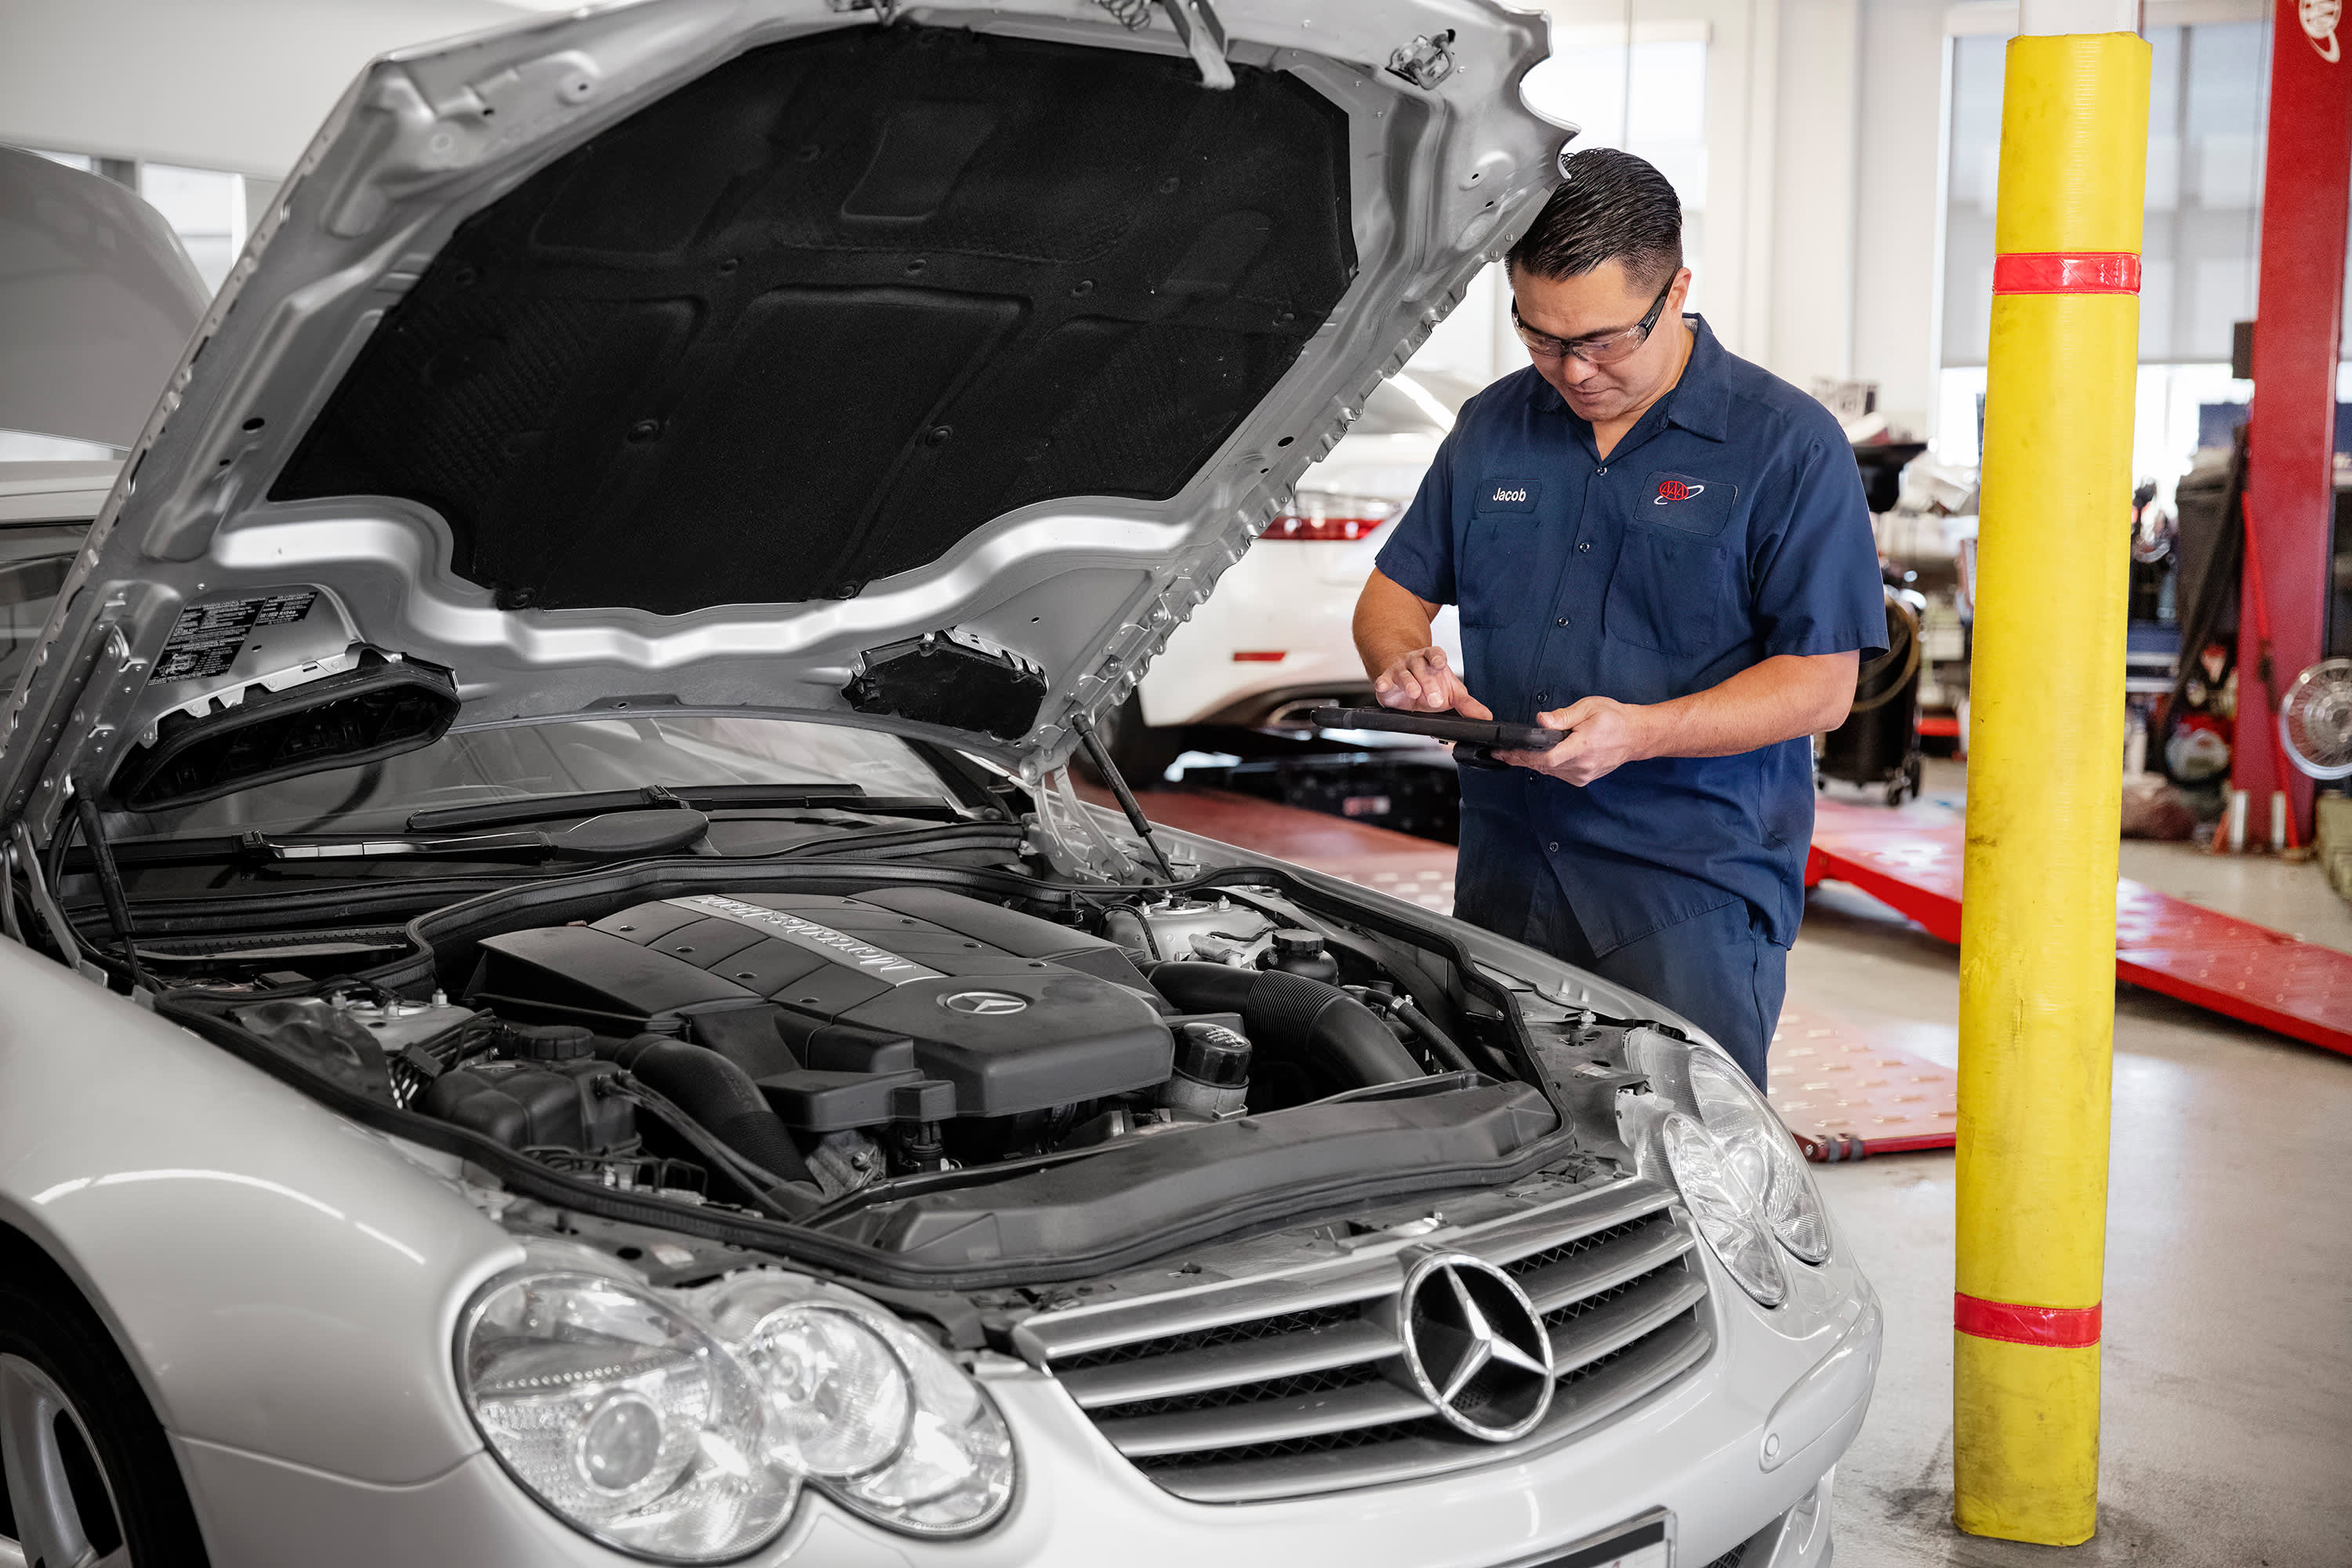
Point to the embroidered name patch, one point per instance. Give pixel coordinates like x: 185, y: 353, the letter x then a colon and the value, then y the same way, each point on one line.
x: 1507, y: 495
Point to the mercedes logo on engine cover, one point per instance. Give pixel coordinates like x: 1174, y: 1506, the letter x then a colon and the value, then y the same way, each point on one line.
x: 1475, y: 1346
x: 984, y: 1003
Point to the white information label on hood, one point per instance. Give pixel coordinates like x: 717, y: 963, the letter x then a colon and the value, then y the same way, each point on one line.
x: 207, y: 638
x: 838, y: 946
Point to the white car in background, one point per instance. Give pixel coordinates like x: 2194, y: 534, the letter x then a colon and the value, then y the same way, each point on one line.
x: 1274, y: 639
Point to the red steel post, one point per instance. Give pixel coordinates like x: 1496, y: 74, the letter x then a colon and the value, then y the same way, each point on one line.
x: 2291, y: 490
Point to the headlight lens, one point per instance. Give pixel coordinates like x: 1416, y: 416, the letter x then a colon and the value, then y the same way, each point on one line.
x: 1728, y: 1214
x: 623, y: 1417
x: 841, y: 1397
x: 955, y: 1473
x: 1762, y: 1154
x: 877, y: 1413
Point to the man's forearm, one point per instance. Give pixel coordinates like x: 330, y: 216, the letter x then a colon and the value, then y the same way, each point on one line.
x: 1407, y: 670
x: 1391, y: 622
x: 1781, y: 699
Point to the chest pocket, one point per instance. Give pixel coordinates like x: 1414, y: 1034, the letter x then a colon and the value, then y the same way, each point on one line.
x: 1676, y: 592
x: 1499, y: 554
x: 1685, y: 503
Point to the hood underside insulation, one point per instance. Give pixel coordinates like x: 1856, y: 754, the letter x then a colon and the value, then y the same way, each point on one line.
x: 827, y: 310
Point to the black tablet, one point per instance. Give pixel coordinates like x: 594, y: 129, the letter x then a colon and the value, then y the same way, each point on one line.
x: 1485, y: 732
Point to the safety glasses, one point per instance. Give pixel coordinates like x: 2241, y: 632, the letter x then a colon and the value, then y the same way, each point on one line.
x: 1602, y: 348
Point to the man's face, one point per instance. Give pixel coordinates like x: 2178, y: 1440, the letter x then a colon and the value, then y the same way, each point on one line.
x: 1598, y: 302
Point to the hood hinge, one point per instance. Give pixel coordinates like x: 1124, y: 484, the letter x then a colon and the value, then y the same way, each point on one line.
x: 1425, y: 61
x: 1196, y: 23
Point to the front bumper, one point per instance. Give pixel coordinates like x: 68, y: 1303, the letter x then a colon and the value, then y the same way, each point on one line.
x: 1796, y: 1381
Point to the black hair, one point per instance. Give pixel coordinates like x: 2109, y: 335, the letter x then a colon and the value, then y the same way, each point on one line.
x: 1611, y: 206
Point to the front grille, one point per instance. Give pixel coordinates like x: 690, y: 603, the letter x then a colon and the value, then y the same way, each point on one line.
x: 1222, y: 1334
x: 1285, y: 1386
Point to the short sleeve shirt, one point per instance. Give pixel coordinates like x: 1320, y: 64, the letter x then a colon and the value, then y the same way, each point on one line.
x: 1726, y: 527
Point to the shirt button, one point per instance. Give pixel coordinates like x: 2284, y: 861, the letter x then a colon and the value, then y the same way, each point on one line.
x: 1603, y: 470
x: 1555, y: 846
x: 1561, y: 622
x: 1580, y: 547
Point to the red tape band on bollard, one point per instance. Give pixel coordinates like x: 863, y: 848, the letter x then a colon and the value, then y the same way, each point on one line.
x: 2066, y: 272
x: 2068, y: 1327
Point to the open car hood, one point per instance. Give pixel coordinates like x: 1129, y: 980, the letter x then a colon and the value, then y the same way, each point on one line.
x: 917, y: 366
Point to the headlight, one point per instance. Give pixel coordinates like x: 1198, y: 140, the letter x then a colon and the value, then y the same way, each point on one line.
x: 882, y: 1419
x: 1728, y: 1214
x: 1762, y: 1154
x: 955, y: 1473
x: 628, y: 1420
x: 841, y: 1397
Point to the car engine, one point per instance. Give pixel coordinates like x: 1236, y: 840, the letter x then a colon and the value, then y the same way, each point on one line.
x: 817, y: 1042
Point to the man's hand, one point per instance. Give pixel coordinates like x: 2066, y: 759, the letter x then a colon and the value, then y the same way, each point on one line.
x: 1421, y: 682
x: 1407, y: 671
x: 1784, y: 697
x: 1604, y: 734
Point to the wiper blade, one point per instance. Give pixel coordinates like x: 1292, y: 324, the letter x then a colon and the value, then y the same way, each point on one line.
x: 607, y: 836
x: 652, y: 798
x: 477, y: 846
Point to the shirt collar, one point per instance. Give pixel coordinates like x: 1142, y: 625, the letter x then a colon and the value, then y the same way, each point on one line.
x: 1700, y: 402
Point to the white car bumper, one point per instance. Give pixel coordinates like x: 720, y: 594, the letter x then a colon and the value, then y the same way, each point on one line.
x: 1698, y: 1449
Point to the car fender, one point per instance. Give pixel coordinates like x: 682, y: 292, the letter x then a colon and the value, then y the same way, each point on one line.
x: 281, y: 1279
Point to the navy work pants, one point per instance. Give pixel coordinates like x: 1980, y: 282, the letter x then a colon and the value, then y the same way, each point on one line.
x: 1718, y: 968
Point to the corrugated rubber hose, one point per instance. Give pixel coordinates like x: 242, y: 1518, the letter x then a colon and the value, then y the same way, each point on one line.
x: 718, y: 1094
x: 1288, y: 1016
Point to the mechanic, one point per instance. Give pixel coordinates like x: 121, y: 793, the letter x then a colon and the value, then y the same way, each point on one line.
x: 1663, y: 551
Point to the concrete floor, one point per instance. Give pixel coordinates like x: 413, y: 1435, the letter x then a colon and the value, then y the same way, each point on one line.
x: 2228, y: 1369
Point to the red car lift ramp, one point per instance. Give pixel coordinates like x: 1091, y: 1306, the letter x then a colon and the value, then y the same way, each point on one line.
x: 2216, y: 962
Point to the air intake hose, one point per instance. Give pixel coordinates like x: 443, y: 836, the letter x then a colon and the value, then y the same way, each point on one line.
x: 1288, y: 1016
x: 719, y: 1095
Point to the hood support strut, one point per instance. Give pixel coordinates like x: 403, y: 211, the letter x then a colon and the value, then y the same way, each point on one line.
x: 1101, y: 755
x: 1204, y: 39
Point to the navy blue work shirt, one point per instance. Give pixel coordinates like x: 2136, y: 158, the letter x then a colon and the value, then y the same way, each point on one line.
x: 1727, y: 526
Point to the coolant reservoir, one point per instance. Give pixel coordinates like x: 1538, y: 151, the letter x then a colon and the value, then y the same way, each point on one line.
x: 1212, y: 1076
x: 1301, y: 952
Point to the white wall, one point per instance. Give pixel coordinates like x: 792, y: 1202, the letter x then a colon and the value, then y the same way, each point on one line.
x: 1812, y: 321
x: 220, y: 84
x: 1897, y: 211
x: 1857, y: 161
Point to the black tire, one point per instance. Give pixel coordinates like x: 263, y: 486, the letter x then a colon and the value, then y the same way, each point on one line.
x: 124, y: 1492
x: 1141, y: 754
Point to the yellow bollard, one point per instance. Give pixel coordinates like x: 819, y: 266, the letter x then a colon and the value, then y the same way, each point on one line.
x: 2038, y: 935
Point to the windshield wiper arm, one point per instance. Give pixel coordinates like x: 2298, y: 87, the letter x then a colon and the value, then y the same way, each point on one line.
x: 651, y: 797
x: 607, y: 836
x: 254, y: 845
x: 475, y: 847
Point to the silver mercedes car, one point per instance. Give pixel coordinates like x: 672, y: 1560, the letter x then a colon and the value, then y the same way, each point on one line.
x: 559, y: 1002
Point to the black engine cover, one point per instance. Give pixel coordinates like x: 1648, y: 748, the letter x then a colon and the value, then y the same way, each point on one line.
x: 1014, y: 1012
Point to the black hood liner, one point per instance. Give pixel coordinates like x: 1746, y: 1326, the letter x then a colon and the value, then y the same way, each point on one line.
x: 816, y: 316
